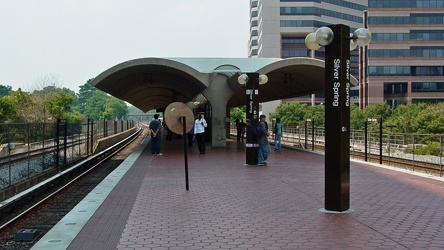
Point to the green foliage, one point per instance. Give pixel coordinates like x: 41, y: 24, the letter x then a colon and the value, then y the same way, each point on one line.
x: 356, y: 117
x: 295, y: 113
x: 23, y: 104
x: 7, y: 109
x: 431, y: 148
x: 5, y: 90
x: 238, y: 113
x: 114, y: 108
x: 59, y: 104
x: 411, y: 118
x: 74, y: 117
x: 102, y: 106
x: 85, y: 93
x: 379, y: 110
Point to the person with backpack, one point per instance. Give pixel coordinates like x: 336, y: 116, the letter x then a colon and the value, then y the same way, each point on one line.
x: 262, y: 140
x: 277, y: 134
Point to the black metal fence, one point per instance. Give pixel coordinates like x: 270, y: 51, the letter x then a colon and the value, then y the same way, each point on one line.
x: 427, y: 148
x: 30, y: 149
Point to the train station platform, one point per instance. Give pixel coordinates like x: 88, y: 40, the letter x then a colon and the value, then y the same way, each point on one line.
x: 144, y: 204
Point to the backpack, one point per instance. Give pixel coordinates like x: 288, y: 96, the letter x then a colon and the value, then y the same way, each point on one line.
x: 256, y: 130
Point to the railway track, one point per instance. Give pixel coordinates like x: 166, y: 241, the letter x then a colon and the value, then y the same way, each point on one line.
x: 416, y: 166
x: 39, y: 212
x: 407, y: 164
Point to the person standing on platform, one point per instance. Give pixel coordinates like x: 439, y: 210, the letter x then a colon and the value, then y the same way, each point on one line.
x: 243, y: 126
x: 156, y: 135
x: 277, y: 134
x: 199, y: 132
x: 238, y: 129
x: 264, y: 146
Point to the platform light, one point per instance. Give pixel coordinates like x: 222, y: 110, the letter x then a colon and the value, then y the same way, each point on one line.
x: 324, y: 36
x: 263, y: 79
x: 243, y: 79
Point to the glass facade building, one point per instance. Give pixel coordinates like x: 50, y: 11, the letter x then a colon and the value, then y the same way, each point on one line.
x: 405, y: 57
x: 403, y: 63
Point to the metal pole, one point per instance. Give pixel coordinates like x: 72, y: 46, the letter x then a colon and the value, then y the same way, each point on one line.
x: 9, y: 154
x: 312, y: 135
x: 413, y: 158
x: 65, y: 143
x: 306, y: 134
x: 29, y: 151
x: 440, y: 155
x: 365, y: 140
x: 388, y: 146
x: 57, y: 145
x: 92, y: 136
x: 380, y: 141
x: 185, y: 150
x: 87, y: 136
x: 43, y: 146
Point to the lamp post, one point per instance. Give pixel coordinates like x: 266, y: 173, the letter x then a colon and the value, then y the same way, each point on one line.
x: 252, y: 81
x: 337, y: 42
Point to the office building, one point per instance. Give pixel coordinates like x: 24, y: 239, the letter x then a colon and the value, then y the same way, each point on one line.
x: 406, y: 54
x: 402, y: 64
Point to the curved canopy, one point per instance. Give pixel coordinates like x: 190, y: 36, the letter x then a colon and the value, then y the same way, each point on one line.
x: 153, y: 83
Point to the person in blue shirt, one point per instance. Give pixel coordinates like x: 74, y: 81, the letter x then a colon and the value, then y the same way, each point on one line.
x: 264, y: 146
x: 277, y: 135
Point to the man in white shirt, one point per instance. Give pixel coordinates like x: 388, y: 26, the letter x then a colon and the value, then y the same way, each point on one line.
x: 199, y: 132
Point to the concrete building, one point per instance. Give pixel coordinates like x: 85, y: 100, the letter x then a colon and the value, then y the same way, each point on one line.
x: 404, y: 60
x: 279, y: 27
x: 406, y: 55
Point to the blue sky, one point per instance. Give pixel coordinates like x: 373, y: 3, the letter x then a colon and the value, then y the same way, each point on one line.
x: 71, y: 41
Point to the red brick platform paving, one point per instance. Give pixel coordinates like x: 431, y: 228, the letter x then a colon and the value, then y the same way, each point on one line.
x: 234, y: 206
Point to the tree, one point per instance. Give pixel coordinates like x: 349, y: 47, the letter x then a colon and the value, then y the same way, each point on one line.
x: 95, y: 104
x: 7, y: 109
x: 356, y: 117
x: 317, y: 113
x: 103, y: 106
x: 114, y: 108
x: 5, y: 90
x: 23, y: 106
x: 291, y: 113
x: 237, y: 113
x: 47, y: 89
x: 59, y: 104
x: 85, y: 93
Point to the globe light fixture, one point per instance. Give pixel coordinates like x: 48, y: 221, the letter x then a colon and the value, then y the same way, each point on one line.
x: 362, y: 37
x: 311, y: 43
x: 242, y: 79
x: 263, y: 79
x: 324, y: 36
